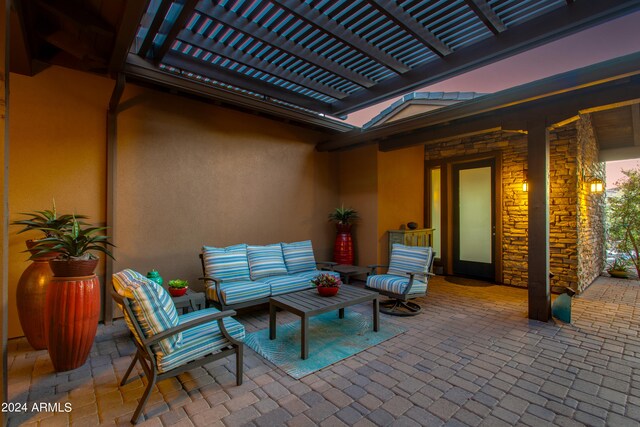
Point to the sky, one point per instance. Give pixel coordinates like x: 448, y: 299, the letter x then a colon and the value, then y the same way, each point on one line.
x: 609, y: 40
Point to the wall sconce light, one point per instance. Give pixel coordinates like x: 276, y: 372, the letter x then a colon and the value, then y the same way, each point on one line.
x: 596, y: 185
x: 525, y: 183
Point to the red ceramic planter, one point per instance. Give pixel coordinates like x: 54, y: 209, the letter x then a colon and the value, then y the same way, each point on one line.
x: 327, y: 292
x: 177, y: 292
x: 343, y: 252
x: 71, y: 320
x: 31, y: 295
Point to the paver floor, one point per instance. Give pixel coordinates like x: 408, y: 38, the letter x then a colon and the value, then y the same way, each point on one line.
x: 471, y: 358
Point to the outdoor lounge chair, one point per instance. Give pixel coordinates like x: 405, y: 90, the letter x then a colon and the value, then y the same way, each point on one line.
x: 168, y: 344
x: 407, y: 277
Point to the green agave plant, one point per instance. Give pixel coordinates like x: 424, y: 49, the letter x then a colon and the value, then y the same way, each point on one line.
x: 46, y: 221
x: 75, y: 243
x: 178, y: 283
x: 343, y: 215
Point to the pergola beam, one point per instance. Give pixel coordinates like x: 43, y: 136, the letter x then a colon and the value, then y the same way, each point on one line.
x: 325, y: 24
x: 240, y: 57
x: 487, y: 15
x: 220, y: 74
x: 133, y: 12
x: 154, y: 27
x: 187, y: 10
x: 243, y: 25
x: 402, y: 19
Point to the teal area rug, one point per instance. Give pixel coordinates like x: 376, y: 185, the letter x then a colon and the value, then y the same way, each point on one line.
x: 330, y: 340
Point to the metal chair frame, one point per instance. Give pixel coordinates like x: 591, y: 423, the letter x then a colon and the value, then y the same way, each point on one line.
x: 146, y: 356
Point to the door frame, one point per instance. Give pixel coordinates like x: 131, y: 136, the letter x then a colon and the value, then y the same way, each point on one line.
x: 446, y: 216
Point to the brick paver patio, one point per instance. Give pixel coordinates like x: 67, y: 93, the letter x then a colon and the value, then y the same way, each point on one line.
x: 472, y: 358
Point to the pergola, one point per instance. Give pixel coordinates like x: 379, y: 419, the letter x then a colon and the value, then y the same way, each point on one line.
x: 308, y: 62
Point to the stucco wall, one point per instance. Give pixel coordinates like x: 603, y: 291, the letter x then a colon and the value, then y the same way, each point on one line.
x: 192, y: 174
x: 358, y: 189
x: 400, y: 193
x: 58, y: 150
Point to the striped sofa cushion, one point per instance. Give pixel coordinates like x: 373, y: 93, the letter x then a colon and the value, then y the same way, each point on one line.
x: 228, y: 263
x: 409, y: 259
x: 151, y: 305
x: 239, y: 291
x: 396, y: 284
x: 294, y: 282
x: 298, y: 256
x: 200, y: 340
x: 265, y: 261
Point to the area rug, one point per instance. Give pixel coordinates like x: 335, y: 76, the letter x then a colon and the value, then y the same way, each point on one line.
x: 330, y: 340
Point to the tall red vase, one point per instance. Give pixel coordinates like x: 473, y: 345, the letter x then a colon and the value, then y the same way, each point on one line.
x: 72, y: 313
x: 343, y: 248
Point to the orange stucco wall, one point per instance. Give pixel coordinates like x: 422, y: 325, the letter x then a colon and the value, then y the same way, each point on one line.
x: 57, y: 150
x: 192, y: 174
x: 400, y: 193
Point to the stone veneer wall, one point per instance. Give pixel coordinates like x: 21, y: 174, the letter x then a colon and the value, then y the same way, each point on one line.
x: 570, y: 221
x: 591, y: 207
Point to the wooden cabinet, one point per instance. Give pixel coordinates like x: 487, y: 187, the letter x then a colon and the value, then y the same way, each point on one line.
x: 418, y: 237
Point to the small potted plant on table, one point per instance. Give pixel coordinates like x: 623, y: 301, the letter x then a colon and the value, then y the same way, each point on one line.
x: 178, y: 287
x: 327, y: 284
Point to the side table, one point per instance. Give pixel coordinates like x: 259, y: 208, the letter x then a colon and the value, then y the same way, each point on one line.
x: 190, y: 300
x: 346, y: 271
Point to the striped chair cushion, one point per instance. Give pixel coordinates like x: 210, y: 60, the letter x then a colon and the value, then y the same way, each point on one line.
x: 396, y: 284
x: 298, y: 256
x: 293, y: 282
x: 266, y: 261
x: 200, y: 340
x: 239, y: 291
x: 152, y: 306
x: 228, y: 263
x: 405, y: 259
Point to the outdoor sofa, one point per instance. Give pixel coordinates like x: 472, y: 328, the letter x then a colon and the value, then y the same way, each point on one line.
x: 244, y: 275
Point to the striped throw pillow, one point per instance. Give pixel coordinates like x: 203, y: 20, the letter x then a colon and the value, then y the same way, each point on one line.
x: 151, y: 305
x: 266, y: 261
x: 298, y: 256
x: 228, y: 263
x: 409, y: 259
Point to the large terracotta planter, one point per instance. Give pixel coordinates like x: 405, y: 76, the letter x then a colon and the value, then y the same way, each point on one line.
x: 31, y: 297
x: 343, y: 248
x: 71, y: 316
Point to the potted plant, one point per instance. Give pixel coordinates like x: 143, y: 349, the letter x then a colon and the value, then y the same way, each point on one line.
x: 72, y: 308
x: 178, y: 287
x: 32, y: 286
x: 344, y: 218
x: 327, y: 285
x: 73, y: 248
x: 618, y: 269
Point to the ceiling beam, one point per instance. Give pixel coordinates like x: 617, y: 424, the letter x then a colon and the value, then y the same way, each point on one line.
x: 209, y: 45
x: 243, y: 25
x: 540, y: 30
x: 220, y: 74
x: 405, y: 21
x: 133, y: 12
x: 187, y: 10
x: 141, y: 70
x: 158, y: 19
x: 325, y: 24
x: 487, y: 15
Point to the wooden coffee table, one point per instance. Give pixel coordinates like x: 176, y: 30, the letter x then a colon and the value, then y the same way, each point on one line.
x: 308, y: 303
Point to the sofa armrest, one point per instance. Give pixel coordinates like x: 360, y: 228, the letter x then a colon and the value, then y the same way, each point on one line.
x: 195, y: 322
x: 215, y: 282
